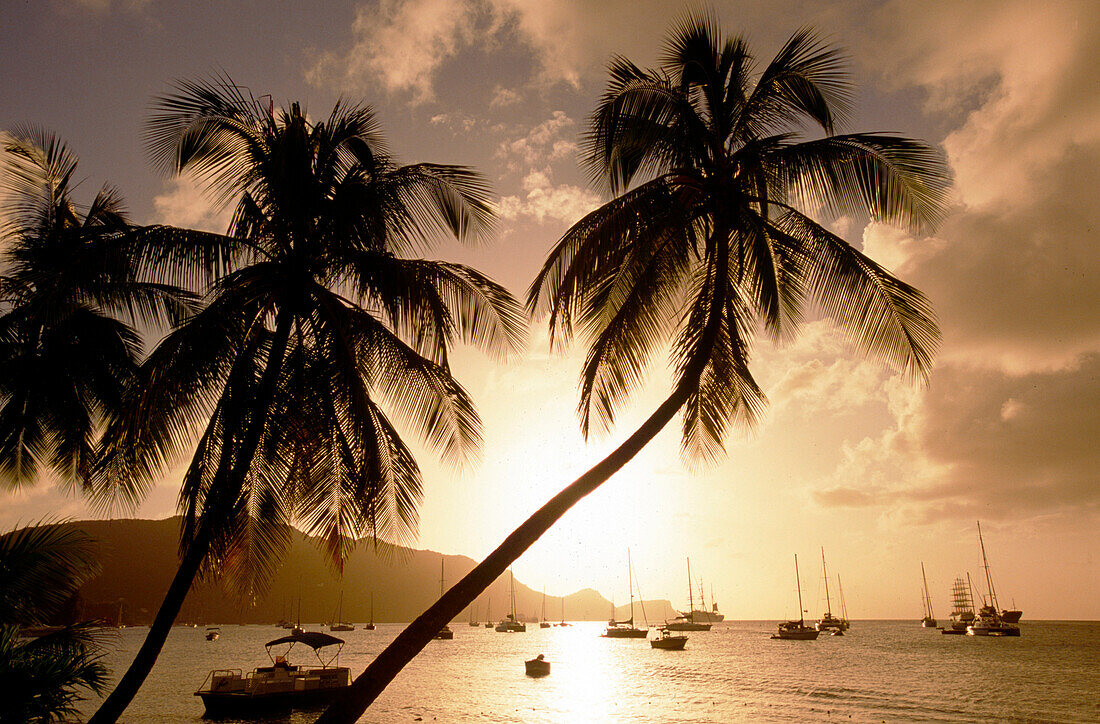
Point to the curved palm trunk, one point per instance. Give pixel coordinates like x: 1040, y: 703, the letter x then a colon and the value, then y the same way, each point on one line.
x: 368, y: 685
x: 113, y: 706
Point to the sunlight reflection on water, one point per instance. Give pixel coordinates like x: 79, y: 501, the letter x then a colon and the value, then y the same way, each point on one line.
x: 892, y: 671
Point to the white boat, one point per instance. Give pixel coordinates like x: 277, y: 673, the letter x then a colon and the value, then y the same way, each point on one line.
x: 280, y: 687
x: 929, y: 620
x: 537, y: 666
x: 668, y: 641
x: 828, y: 621
x: 625, y: 629
x: 687, y: 621
x: 510, y: 624
x: 989, y: 621
x: 796, y: 630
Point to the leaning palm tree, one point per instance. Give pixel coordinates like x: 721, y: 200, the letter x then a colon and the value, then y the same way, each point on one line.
x: 707, y: 240
x: 70, y: 292
x: 41, y: 568
x: 321, y: 336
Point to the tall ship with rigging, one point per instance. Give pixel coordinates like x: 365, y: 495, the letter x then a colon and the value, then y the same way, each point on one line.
x: 962, y: 607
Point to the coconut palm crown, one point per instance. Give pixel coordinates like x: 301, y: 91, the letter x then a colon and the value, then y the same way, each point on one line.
x: 707, y: 240
x: 321, y: 336
x: 710, y: 237
x: 70, y: 291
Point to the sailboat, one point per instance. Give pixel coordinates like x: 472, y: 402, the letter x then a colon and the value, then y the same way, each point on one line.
x: 337, y: 620
x: 510, y: 624
x: 625, y: 629
x: 445, y: 633
x: 989, y: 621
x: 687, y: 621
x: 828, y: 621
x: 370, y: 625
x: 796, y: 630
x: 929, y: 620
x: 962, y: 611
x: 543, y: 623
x: 563, y: 621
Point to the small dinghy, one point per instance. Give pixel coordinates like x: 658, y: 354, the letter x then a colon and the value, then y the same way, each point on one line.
x: 537, y: 666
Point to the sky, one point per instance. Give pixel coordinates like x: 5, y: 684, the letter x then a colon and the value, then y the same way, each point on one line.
x: 850, y: 458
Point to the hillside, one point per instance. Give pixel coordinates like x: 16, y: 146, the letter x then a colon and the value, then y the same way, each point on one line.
x: 139, y: 559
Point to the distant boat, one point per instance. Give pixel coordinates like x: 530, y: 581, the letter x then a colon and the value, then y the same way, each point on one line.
x: 370, y: 624
x: 687, y: 621
x: 510, y: 624
x: 929, y: 620
x: 563, y: 621
x: 537, y: 666
x: 962, y: 612
x: 543, y: 623
x: 278, y: 688
x: 213, y: 633
x: 338, y: 623
x: 445, y: 633
x: 796, y: 630
x: 625, y: 629
x: 668, y: 641
x: 989, y: 621
x: 828, y: 621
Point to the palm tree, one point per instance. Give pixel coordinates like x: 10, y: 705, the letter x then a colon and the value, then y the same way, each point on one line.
x: 41, y: 567
x: 318, y: 329
x: 704, y: 242
x: 67, y: 280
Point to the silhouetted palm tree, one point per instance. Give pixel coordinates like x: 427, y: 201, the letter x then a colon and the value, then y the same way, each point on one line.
x: 318, y: 327
x: 41, y: 567
x: 705, y: 241
x: 66, y: 281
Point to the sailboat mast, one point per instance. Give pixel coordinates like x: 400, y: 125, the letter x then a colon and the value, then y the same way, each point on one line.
x: 985, y: 564
x: 691, y: 595
x: 825, y: 575
x: 927, y: 598
x: 630, y: 584
x: 798, y: 583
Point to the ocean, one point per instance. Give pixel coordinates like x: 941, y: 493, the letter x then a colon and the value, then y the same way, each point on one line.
x: 880, y: 671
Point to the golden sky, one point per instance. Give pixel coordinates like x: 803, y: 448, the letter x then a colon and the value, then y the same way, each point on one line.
x: 880, y: 474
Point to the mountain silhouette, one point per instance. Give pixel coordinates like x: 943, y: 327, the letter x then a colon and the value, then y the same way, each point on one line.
x: 139, y: 558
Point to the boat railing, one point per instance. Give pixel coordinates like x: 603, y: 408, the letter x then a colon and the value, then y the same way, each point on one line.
x: 220, y: 674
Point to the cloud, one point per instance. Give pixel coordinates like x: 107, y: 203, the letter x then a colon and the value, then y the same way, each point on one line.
x: 403, y: 43
x: 545, y: 202
x: 185, y: 205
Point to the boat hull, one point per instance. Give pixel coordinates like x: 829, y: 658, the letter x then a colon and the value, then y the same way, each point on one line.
x: 243, y: 705
x: 625, y: 633
x: 669, y: 643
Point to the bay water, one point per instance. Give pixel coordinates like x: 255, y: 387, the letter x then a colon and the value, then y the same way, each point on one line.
x: 880, y: 671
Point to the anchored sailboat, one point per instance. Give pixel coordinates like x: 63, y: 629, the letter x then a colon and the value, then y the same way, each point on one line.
x: 625, y: 629
x: 929, y: 620
x: 796, y: 630
x: 828, y: 621
x: 989, y: 621
x: 688, y: 621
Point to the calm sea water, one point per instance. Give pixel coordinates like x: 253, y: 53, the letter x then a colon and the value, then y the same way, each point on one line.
x: 881, y: 671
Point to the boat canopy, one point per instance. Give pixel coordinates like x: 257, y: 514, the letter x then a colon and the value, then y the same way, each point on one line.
x: 314, y: 639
